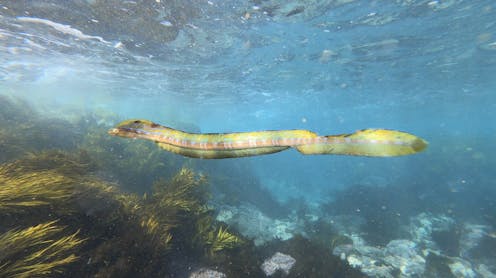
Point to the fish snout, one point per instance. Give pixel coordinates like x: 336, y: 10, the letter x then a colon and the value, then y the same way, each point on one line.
x: 113, y: 131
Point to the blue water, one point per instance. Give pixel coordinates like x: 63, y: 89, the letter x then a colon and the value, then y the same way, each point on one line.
x: 425, y: 67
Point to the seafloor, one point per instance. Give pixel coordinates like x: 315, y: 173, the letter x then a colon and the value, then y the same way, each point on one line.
x: 75, y: 202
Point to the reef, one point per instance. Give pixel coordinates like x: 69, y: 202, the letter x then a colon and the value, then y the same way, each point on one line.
x: 113, y: 233
x: 420, y: 253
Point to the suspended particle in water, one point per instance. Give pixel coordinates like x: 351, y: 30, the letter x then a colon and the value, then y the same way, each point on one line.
x: 166, y: 23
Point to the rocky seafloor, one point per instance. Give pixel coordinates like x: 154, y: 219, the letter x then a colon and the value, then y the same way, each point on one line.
x: 433, y: 245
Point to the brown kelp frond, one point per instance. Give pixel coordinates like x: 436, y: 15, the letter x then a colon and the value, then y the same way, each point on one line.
x: 174, y: 207
x: 186, y: 191
x: 212, y: 237
x: 15, y: 241
x: 32, y: 189
x: 131, y: 203
x: 53, y: 179
x: 158, y: 232
x: 204, y: 226
x: 64, y: 163
x: 221, y: 239
x: 36, y: 251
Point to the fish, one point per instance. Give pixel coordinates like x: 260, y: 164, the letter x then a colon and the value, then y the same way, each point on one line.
x: 366, y: 142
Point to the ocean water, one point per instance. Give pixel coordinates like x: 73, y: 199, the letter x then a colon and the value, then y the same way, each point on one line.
x: 70, y: 70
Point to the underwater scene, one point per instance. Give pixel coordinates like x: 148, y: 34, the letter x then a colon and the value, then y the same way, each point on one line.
x: 247, y: 138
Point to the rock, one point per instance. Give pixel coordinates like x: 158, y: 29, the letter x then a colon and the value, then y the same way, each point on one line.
x: 462, y: 268
x: 471, y: 237
x: 437, y: 265
x: 448, y: 241
x: 484, y: 271
x: 397, y: 256
x: 207, y: 273
x: 278, y: 261
x: 402, y: 255
x: 422, y: 226
x: 252, y: 223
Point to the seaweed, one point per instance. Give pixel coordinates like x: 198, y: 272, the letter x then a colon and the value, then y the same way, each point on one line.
x: 40, y: 250
x: 45, y: 179
x: 182, y: 204
x: 125, y: 234
x: 62, y: 186
x: 185, y: 192
x: 220, y: 240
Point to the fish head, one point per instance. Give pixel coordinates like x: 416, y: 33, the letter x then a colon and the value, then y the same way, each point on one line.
x: 131, y: 128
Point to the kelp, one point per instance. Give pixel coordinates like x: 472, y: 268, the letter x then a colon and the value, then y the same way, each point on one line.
x: 33, y: 190
x: 221, y: 240
x: 52, y: 179
x: 39, y: 250
x: 59, y: 185
x: 158, y: 233
x: 181, y: 204
x: 139, y: 229
x: 185, y: 192
x: 68, y: 164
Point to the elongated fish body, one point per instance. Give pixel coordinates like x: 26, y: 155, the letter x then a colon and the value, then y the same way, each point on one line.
x: 209, y: 154
x: 369, y: 142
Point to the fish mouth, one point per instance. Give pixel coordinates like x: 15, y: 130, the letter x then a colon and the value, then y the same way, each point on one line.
x: 125, y: 132
x: 113, y: 131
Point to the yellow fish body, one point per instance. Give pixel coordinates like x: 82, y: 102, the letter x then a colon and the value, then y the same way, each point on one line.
x: 368, y: 142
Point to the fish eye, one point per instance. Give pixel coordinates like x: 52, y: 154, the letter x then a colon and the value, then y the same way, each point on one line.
x: 137, y: 121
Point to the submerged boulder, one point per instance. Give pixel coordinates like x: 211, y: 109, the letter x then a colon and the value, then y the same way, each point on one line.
x: 278, y: 261
x: 253, y: 223
x: 207, y: 273
x: 402, y: 254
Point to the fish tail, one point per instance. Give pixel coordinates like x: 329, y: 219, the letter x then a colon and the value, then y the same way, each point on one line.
x: 368, y: 142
